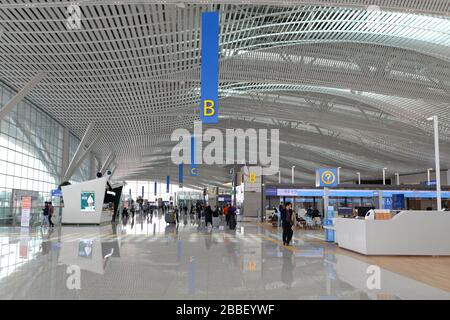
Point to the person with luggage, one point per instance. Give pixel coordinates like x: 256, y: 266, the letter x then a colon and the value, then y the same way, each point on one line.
x: 50, y: 214
x: 232, y: 218
x: 45, y: 214
x: 287, y: 222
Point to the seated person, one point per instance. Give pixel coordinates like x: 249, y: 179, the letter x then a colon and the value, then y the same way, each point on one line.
x: 315, y: 213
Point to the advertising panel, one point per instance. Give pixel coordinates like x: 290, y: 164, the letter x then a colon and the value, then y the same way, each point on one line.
x: 87, y: 201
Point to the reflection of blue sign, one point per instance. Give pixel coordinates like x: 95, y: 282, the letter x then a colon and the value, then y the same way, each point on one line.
x: 56, y: 193
x: 329, y: 234
x: 326, y: 177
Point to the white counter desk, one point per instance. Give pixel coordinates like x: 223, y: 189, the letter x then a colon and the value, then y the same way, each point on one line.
x: 407, y: 233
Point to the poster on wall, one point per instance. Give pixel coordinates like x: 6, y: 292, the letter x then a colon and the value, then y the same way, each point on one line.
x: 87, y: 201
x: 26, y: 212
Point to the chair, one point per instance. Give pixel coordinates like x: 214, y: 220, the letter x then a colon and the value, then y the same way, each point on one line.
x: 318, y: 222
x: 309, y: 222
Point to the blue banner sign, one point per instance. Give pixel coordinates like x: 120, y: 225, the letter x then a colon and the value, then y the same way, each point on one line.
x: 354, y: 193
x: 56, y: 193
x: 180, y: 173
x: 193, y: 171
x: 167, y: 184
x: 142, y: 191
x: 156, y: 188
x: 210, y: 68
x: 326, y: 177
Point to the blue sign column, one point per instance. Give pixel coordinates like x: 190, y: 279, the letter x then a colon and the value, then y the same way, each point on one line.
x: 167, y: 184
x: 210, y: 68
x: 193, y: 170
x: 180, y: 174
x: 329, y: 224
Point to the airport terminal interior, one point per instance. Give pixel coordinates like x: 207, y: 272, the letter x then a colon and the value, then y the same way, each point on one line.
x: 243, y: 150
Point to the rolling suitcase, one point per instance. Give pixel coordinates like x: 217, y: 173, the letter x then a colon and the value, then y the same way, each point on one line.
x: 215, y: 222
x: 169, y: 217
x: 232, y: 222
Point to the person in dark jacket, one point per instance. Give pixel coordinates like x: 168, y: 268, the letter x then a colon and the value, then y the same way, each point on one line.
x: 286, y: 223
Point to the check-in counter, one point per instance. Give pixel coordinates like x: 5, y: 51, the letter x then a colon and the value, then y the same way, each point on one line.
x: 407, y: 233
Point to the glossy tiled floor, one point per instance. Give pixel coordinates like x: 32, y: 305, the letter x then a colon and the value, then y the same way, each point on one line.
x: 152, y: 260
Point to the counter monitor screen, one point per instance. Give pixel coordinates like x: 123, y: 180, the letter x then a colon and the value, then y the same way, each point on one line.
x: 363, y: 210
x: 343, y: 211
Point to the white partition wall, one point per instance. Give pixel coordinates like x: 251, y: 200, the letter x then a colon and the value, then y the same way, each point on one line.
x: 79, y: 210
x: 407, y: 233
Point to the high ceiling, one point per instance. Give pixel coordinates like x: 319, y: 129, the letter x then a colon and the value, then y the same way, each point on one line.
x: 348, y: 85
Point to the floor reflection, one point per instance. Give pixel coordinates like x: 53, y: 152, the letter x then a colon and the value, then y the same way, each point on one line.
x: 145, y: 258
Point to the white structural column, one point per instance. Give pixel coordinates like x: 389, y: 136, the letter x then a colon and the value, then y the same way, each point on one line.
x: 92, y: 167
x: 279, y: 176
x: 293, y: 167
x: 339, y: 175
x: 6, y: 109
x: 429, y: 175
x: 108, y: 161
x: 79, y: 152
x: 83, y: 156
x: 359, y: 177
x: 384, y: 176
x: 65, y: 150
x: 437, y: 159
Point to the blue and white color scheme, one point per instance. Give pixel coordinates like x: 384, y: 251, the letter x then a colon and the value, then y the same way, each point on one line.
x: 326, y: 177
x: 180, y: 174
x: 329, y: 233
x: 210, y: 68
x: 56, y: 193
x: 193, y: 171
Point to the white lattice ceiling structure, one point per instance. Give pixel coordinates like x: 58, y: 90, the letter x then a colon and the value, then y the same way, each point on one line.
x: 347, y: 84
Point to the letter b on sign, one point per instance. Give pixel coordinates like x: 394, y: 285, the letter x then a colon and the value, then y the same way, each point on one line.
x: 208, y: 108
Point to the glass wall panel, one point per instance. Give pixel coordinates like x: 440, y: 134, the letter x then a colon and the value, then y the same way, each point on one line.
x: 30, y: 158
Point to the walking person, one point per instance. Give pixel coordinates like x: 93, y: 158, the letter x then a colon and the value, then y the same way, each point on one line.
x: 287, y: 223
x: 208, y: 215
x: 50, y: 214
x: 44, y: 221
x: 225, y: 212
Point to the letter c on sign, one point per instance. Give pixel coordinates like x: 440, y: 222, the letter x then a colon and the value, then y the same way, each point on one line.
x: 208, y: 108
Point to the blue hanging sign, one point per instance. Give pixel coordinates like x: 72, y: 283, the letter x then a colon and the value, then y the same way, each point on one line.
x: 193, y: 171
x: 326, y: 177
x: 56, y: 193
x: 180, y: 174
x: 210, y: 68
x: 167, y: 184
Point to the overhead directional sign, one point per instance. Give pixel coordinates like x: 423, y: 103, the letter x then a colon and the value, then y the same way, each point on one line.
x: 326, y: 177
x: 193, y: 171
x: 210, y: 68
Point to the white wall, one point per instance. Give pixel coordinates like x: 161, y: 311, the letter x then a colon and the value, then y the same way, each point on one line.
x: 72, y: 202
